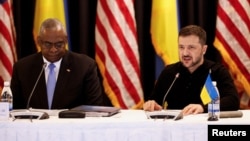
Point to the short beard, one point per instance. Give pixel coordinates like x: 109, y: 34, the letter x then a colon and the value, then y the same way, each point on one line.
x: 195, y: 64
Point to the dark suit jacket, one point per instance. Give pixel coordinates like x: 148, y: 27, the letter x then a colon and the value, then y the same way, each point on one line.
x: 77, y: 83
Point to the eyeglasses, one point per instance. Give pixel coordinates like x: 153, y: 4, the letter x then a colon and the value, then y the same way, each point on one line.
x: 49, y: 45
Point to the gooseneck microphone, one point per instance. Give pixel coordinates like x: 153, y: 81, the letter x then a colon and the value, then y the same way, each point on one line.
x: 164, y: 103
x: 29, y: 113
x: 166, y: 114
x: 34, y: 87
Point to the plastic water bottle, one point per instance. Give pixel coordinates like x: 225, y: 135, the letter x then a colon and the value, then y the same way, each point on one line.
x: 214, y: 106
x: 217, y: 101
x: 6, y: 95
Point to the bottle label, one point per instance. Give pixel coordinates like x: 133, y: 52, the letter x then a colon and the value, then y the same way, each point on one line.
x: 214, y: 109
x: 4, y: 111
x: 7, y: 97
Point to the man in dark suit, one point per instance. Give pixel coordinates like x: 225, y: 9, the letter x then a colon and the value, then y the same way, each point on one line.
x: 77, y: 81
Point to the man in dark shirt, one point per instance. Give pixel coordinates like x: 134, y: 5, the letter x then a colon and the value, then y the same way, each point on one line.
x: 191, y: 72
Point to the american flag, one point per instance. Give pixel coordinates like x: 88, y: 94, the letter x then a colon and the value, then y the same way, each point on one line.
x: 233, y: 40
x: 117, y: 52
x: 7, y: 41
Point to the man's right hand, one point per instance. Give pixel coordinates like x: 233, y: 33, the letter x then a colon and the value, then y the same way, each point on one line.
x: 151, y: 105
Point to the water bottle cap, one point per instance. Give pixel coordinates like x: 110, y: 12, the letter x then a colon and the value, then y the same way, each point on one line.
x: 6, y: 83
x: 214, y: 83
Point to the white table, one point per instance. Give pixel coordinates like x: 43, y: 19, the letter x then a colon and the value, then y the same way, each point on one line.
x: 129, y: 125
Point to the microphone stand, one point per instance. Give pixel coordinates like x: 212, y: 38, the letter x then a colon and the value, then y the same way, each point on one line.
x: 166, y: 114
x: 38, y: 78
x: 31, y: 94
x: 31, y: 115
x: 164, y: 102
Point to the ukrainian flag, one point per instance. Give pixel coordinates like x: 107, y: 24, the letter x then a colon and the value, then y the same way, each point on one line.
x: 49, y: 9
x: 164, y: 29
x: 208, y: 92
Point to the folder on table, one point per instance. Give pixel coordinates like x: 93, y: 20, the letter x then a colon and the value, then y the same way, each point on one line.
x: 97, y: 111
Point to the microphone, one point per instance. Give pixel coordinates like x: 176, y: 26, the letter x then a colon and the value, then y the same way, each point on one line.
x: 166, y: 114
x: 164, y: 103
x: 28, y: 114
x: 34, y: 87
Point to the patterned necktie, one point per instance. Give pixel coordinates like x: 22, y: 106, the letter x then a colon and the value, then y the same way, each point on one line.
x: 51, y: 84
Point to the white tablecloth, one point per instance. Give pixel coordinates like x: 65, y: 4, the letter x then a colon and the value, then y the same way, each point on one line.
x: 129, y: 125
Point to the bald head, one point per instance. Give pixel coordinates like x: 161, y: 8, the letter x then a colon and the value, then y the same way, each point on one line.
x: 52, y: 39
x: 52, y: 24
